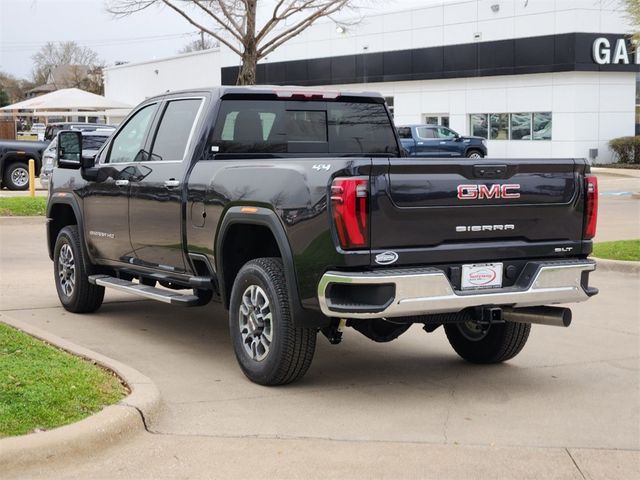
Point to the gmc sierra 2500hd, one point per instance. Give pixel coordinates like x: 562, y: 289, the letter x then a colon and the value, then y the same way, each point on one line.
x: 294, y: 209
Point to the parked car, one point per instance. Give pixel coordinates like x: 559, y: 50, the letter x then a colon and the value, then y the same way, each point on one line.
x: 543, y: 133
x: 92, y: 141
x: 14, y: 162
x: 38, y: 129
x: 439, y: 141
x: 296, y: 210
x: 53, y: 128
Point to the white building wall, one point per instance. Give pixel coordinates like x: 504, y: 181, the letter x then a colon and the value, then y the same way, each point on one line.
x: 588, y: 108
x: 132, y: 83
x: 450, y: 23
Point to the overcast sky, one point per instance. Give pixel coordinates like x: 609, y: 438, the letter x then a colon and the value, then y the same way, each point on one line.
x: 25, y: 25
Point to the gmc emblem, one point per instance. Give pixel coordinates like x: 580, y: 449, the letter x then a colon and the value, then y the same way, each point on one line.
x: 482, y: 192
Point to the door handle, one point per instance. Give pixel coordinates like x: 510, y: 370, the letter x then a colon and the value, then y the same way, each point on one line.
x: 171, y: 183
x: 122, y: 183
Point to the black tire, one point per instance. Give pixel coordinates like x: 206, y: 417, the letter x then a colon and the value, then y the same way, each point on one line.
x: 474, y: 153
x: 290, y: 350
x: 14, y: 172
x: 500, y: 343
x: 79, y: 296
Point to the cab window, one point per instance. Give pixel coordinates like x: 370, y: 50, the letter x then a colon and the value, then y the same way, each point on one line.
x: 128, y: 143
x: 444, y: 132
x: 426, y: 133
x: 171, y: 139
x: 404, y: 132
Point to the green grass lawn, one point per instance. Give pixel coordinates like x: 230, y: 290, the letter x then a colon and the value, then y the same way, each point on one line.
x: 619, y: 250
x: 22, y: 206
x: 42, y: 387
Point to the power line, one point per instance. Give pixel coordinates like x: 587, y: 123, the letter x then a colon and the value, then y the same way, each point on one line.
x: 25, y: 46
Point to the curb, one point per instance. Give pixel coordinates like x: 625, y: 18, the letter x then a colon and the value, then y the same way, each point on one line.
x: 111, y: 425
x: 617, y: 266
x: 619, y: 172
x: 23, y: 219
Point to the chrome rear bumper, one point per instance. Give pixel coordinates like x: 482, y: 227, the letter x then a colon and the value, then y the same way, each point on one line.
x: 428, y: 290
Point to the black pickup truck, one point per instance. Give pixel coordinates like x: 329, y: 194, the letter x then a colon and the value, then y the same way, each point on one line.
x: 14, y: 162
x: 294, y: 208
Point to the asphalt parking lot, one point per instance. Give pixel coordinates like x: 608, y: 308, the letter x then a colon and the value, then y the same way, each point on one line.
x: 566, y: 407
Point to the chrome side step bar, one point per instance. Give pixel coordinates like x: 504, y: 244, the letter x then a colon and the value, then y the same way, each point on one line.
x: 153, y: 293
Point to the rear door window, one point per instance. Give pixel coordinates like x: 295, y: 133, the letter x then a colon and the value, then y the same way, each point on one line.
x: 280, y: 126
x: 404, y: 132
x: 426, y: 133
x: 172, y: 136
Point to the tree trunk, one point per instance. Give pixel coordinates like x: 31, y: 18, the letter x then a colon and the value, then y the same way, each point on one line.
x: 247, y: 74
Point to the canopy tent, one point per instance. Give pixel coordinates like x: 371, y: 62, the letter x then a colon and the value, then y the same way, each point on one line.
x: 69, y: 104
x: 72, y: 99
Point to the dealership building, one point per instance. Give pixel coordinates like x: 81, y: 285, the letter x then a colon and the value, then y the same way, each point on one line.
x: 537, y: 78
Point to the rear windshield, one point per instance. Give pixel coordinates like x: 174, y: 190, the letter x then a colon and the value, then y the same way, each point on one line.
x: 278, y: 126
x: 93, y: 142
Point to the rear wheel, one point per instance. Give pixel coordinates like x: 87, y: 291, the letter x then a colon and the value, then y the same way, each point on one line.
x: 71, y: 274
x: 270, y: 348
x: 17, y: 176
x: 498, y: 343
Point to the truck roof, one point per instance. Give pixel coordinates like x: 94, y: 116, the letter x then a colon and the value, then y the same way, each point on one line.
x: 279, y: 90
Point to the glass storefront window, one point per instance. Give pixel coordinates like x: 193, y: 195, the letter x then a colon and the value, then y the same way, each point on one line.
x: 478, y: 124
x: 542, y: 126
x: 436, y: 119
x: 520, y: 126
x: 514, y: 126
x: 390, y: 104
x: 499, y: 126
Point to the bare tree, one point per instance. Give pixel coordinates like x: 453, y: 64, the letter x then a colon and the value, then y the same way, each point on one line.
x: 234, y: 23
x: 15, y: 88
x: 202, y: 43
x: 53, y: 55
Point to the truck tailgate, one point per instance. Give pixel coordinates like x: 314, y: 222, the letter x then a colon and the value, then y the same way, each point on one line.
x: 436, y: 207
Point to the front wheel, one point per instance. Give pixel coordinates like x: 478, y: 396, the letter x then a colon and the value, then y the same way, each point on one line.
x: 75, y: 292
x: 474, y: 154
x: 270, y: 348
x: 498, y: 343
x: 17, y: 176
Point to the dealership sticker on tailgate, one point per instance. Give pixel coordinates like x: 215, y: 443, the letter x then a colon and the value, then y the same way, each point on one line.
x: 486, y: 275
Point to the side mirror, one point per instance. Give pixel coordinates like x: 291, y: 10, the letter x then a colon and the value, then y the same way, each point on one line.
x: 69, y: 149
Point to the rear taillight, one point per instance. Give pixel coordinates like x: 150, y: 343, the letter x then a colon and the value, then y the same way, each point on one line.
x: 591, y: 207
x: 350, y: 208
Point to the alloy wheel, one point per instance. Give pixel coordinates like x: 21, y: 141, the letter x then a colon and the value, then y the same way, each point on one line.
x: 256, y: 323
x: 20, y: 177
x: 66, y: 270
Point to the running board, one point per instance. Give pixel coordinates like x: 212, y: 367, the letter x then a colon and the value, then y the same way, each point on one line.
x: 153, y: 293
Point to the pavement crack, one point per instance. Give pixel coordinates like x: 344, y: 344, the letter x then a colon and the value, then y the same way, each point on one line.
x: 445, y: 426
x: 573, y: 364
x: 144, y: 420
x: 575, y: 463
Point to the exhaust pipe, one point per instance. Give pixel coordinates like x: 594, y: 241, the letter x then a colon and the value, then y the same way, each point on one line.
x: 554, y: 316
